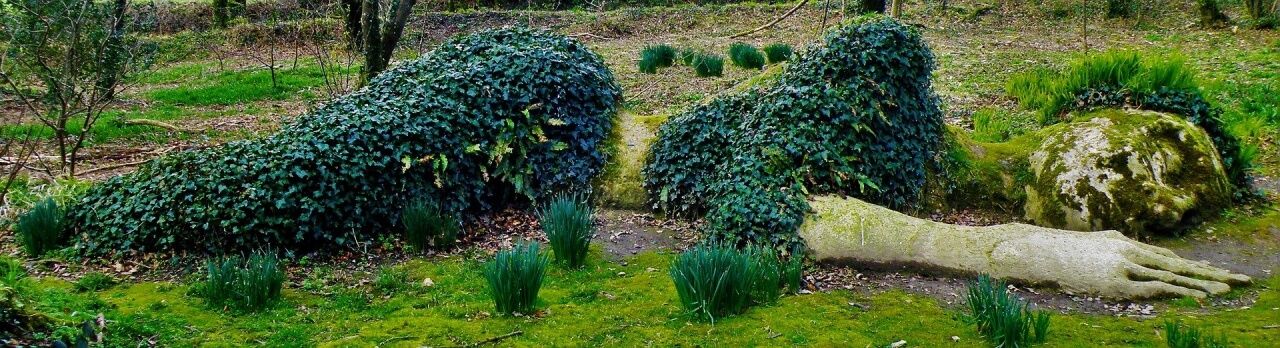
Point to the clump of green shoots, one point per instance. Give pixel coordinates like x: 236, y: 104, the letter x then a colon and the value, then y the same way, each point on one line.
x: 40, y: 229
x: 656, y: 56
x: 714, y: 280
x: 1004, y: 320
x: 515, y: 276
x: 708, y: 65
x: 1178, y: 335
x: 745, y: 56
x: 239, y: 284
x: 778, y: 52
x: 427, y: 226
x: 567, y: 221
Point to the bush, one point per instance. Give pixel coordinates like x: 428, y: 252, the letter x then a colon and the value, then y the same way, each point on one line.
x: 483, y: 122
x: 515, y: 275
x: 714, y: 280
x: 1116, y: 79
x: 1004, y: 320
x: 567, y: 221
x: 1176, y: 337
x: 1121, y: 8
x: 239, y: 285
x: 427, y: 226
x: 856, y: 116
x: 41, y: 228
x: 745, y: 56
x: 708, y: 65
x: 95, y: 281
x: 777, y: 53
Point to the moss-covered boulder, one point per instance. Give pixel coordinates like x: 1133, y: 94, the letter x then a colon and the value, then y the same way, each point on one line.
x: 1137, y: 172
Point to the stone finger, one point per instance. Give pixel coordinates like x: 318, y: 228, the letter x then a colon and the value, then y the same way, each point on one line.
x: 1143, y: 273
x: 1179, y: 265
x: 1150, y: 289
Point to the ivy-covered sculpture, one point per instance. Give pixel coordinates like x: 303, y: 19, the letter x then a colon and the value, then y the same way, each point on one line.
x: 488, y: 119
x: 855, y: 116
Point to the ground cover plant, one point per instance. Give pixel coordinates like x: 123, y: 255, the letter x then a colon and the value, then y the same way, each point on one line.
x: 746, y: 161
x: 315, y: 180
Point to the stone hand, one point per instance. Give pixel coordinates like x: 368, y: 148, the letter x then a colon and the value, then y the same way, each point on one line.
x: 1097, y: 263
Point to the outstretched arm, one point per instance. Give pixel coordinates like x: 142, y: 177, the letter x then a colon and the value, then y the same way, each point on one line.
x: 1100, y: 263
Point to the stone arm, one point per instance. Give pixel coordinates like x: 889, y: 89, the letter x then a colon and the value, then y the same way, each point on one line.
x: 1104, y: 263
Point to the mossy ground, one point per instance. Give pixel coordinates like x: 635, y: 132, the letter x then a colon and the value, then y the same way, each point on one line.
x: 606, y: 304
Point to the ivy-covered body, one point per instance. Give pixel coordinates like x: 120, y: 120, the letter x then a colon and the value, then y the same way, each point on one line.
x: 855, y: 116
x: 489, y: 119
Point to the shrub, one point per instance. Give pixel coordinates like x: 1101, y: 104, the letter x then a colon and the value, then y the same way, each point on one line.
x: 1004, y: 320
x: 1116, y: 79
x: 1121, y: 8
x: 567, y: 221
x: 427, y: 226
x: 515, y: 275
x: 716, y: 280
x: 855, y: 116
x: 777, y: 53
x: 482, y: 122
x: 41, y: 228
x: 1210, y: 13
x: 242, y: 285
x: 1191, y: 337
x: 745, y: 56
x: 708, y: 65
x: 95, y: 281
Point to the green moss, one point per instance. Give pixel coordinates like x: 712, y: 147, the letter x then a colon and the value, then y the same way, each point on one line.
x: 979, y: 175
x: 620, y: 185
x: 605, y: 304
x: 1132, y: 171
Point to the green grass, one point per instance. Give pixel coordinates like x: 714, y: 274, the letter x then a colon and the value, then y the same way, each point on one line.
x: 644, y: 310
x: 1050, y: 92
x: 656, y: 56
x: 241, y: 86
x: 1184, y: 336
x: 95, y: 281
x: 992, y: 126
x: 778, y: 52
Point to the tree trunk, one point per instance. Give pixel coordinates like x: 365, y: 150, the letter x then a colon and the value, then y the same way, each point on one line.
x: 221, y: 14
x: 870, y: 6
x: 112, y: 52
x: 392, y: 32
x: 372, y: 51
x: 896, y: 10
x: 353, y: 8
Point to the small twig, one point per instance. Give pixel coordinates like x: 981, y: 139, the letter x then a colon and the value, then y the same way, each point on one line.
x: 393, y: 339
x: 590, y: 35
x: 774, y: 22
x: 491, y: 340
x: 154, y: 123
x: 115, y: 166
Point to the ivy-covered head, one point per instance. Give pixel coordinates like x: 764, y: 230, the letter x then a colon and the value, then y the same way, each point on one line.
x: 485, y: 120
x: 856, y: 115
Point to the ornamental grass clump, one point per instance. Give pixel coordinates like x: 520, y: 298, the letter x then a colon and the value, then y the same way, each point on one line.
x: 40, y: 229
x: 427, y: 226
x: 242, y: 285
x: 567, y: 221
x: 794, y: 273
x: 708, y: 65
x: 661, y: 56
x: 515, y: 275
x: 745, y: 56
x: 687, y: 55
x: 778, y: 52
x: 714, y: 280
x: 1004, y: 320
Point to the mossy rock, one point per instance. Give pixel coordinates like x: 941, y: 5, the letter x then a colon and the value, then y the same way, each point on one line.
x: 1137, y: 172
